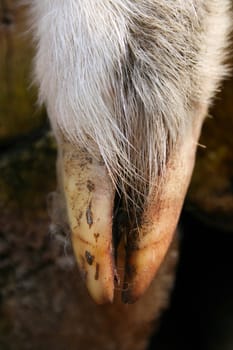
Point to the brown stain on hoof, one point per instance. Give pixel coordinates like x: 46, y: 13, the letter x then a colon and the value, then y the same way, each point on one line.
x: 90, y: 186
x: 97, y: 271
x: 80, y: 238
x: 89, y: 258
x: 79, y: 217
x: 89, y: 216
x: 96, y: 235
x: 82, y: 268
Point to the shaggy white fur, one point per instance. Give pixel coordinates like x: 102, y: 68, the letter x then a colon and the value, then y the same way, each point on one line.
x: 123, y: 77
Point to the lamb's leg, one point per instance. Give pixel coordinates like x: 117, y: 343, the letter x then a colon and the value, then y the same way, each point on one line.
x: 127, y: 85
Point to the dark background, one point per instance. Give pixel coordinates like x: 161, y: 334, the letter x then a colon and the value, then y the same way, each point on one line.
x: 201, y: 311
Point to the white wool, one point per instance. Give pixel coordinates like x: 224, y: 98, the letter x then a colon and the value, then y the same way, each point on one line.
x: 124, y: 76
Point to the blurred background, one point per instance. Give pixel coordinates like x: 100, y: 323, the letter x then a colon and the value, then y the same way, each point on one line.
x: 33, y: 265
